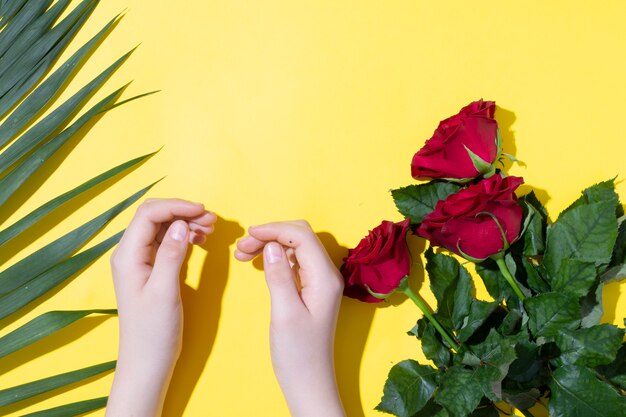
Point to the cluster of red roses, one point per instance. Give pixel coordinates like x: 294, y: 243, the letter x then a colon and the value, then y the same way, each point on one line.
x: 479, y: 220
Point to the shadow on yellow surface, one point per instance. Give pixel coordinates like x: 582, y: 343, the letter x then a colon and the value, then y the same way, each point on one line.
x: 353, y: 326
x: 202, y: 308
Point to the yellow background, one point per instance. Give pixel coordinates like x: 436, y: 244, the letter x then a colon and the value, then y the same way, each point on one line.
x: 275, y: 110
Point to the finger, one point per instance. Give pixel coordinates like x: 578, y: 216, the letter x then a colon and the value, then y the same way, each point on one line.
x: 248, y: 248
x: 279, y: 277
x: 207, y: 218
x: 136, y: 244
x: 309, y: 251
x: 169, y: 259
x: 197, y: 238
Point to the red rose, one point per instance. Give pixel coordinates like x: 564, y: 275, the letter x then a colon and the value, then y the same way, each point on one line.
x: 465, y: 223
x: 379, y: 262
x: 463, y: 147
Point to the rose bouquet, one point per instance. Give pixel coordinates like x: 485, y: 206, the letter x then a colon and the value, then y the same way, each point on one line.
x: 539, y: 342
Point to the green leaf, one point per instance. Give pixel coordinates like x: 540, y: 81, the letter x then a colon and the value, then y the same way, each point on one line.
x: 46, y: 257
x: 31, y: 56
x: 585, y: 233
x: 576, y: 392
x: 619, y: 250
x: 38, y: 133
x: 487, y: 411
x: 478, y: 314
x: 616, y: 370
x: 14, y: 179
x: 599, y: 193
x: 53, y: 277
x: 23, y: 18
x: 615, y: 273
x: 534, y: 278
x: 497, y: 287
x: 512, y: 322
x: 8, y: 9
x: 70, y: 410
x: 528, y: 363
x: 462, y: 299
x: 417, y: 201
x: 408, y: 388
x: 31, y: 389
x: 496, y: 354
x: 590, y: 347
x: 44, y: 94
x: 575, y: 277
x: 42, y: 326
x: 452, y: 286
x: 443, y: 270
x: 521, y: 399
x: 550, y: 313
x: 41, y: 26
x: 534, y: 236
x: 32, y: 218
x: 433, y: 346
x: 432, y: 409
x: 459, y: 393
x: 591, y: 308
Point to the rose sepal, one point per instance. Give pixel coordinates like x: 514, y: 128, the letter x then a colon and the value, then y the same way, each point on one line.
x: 402, y: 285
x: 468, y: 257
x: 483, y: 167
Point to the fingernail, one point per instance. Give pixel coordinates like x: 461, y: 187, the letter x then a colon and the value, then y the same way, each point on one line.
x: 272, y: 253
x: 178, y: 231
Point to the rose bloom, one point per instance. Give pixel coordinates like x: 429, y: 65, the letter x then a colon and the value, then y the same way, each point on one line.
x: 379, y: 262
x: 447, y: 153
x: 465, y: 222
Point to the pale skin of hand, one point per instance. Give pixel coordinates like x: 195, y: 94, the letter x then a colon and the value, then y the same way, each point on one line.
x: 146, y: 267
x: 305, y: 289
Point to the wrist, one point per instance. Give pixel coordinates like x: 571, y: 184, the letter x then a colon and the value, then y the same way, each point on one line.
x: 138, y: 388
x: 313, y: 395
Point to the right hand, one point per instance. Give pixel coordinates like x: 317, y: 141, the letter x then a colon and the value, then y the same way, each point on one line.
x: 305, y: 289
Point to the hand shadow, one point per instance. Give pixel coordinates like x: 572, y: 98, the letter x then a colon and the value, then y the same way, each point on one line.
x: 202, y: 309
x: 353, y: 326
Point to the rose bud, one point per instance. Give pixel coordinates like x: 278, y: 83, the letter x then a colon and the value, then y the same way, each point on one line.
x: 463, y: 147
x: 477, y: 222
x: 379, y: 262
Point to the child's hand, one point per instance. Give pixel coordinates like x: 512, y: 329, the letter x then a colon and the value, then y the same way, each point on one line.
x: 305, y: 288
x: 146, y: 266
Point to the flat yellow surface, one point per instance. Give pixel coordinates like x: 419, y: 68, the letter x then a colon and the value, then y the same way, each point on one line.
x: 275, y: 110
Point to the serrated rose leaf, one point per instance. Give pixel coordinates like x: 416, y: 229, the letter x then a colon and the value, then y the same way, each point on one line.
x: 576, y: 277
x: 550, y: 313
x: 590, y: 347
x: 408, y: 388
x: 576, y: 392
x: 585, y: 233
x: 416, y: 201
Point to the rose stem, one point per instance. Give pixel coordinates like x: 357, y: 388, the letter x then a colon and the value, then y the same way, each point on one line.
x: 421, y: 304
x: 509, y: 277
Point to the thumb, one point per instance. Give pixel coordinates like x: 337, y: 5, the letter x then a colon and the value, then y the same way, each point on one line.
x: 279, y: 277
x: 170, y: 256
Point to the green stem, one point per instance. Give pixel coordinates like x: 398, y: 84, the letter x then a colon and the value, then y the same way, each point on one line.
x: 509, y: 278
x: 421, y: 304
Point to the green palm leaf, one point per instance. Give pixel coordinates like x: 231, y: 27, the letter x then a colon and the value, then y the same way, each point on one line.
x: 33, y: 35
x: 31, y: 389
x: 53, y: 277
x: 32, y: 218
x: 42, y: 326
x: 69, y: 410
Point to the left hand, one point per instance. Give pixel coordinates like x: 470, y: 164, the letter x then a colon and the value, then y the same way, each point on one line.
x: 146, y: 266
